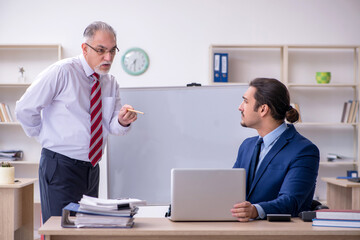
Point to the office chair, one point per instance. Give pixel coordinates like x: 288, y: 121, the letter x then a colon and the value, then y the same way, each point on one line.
x: 316, y: 205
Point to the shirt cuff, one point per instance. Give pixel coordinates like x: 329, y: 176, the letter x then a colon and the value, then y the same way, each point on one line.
x: 117, y: 129
x: 260, y: 211
x: 32, y: 131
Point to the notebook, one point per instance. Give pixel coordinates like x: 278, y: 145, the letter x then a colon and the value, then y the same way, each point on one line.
x: 206, y: 194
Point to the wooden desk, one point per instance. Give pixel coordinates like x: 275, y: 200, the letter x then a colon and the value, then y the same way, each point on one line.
x: 162, y: 228
x: 342, y: 194
x: 17, y: 210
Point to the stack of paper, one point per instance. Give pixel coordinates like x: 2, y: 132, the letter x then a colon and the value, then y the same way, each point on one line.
x: 109, y: 205
x: 86, y: 220
x: 96, y: 212
x: 11, y: 155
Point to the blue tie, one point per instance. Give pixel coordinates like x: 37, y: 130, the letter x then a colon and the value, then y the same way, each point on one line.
x: 253, y: 164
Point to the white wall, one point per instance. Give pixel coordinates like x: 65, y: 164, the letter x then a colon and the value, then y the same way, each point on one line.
x: 177, y: 34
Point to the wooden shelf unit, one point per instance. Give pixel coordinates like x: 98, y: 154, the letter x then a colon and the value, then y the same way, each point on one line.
x: 320, y: 104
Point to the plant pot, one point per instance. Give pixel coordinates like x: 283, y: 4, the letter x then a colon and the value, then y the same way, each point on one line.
x: 323, y: 77
x: 7, y: 175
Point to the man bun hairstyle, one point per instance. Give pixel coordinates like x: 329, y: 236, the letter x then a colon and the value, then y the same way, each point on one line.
x: 274, y: 93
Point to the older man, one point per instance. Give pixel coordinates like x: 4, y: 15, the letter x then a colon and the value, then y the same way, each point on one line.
x: 71, y: 108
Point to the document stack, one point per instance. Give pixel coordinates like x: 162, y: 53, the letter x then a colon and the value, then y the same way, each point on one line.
x: 11, y: 155
x: 102, y: 213
x: 337, y: 218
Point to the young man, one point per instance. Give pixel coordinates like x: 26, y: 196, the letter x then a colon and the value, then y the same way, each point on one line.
x: 282, y: 170
x: 71, y: 108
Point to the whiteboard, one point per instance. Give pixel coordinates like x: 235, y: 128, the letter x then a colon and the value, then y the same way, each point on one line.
x: 183, y: 127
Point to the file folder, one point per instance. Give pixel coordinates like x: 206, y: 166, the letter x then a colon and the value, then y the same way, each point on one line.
x: 217, y: 66
x: 224, y: 67
x: 66, y: 222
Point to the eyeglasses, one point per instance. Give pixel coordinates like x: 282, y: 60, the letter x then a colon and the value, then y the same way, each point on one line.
x: 101, y: 51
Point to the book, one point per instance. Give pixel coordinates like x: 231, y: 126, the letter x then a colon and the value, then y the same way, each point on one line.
x: 345, y: 111
x: 2, y: 116
x: 4, y: 112
x: 338, y: 214
x: 335, y: 223
x: 9, y: 113
x: 351, y: 110
x: 355, y: 111
x: 217, y: 65
x: 224, y: 67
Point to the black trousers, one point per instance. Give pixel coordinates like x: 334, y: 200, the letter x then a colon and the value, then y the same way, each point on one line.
x: 63, y: 180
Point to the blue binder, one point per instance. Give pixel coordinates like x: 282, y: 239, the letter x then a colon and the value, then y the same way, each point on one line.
x: 224, y: 67
x: 217, y: 67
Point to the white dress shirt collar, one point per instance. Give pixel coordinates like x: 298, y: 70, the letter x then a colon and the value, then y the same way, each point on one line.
x: 271, y: 137
x: 88, y: 70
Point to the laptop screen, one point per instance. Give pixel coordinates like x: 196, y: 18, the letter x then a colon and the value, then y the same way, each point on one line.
x: 206, y: 194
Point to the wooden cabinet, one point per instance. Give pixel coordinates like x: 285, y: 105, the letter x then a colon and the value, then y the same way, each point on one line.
x: 321, y: 105
x: 342, y: 194
x: 16, y: 211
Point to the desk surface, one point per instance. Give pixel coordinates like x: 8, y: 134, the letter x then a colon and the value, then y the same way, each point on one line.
x: 22, y: 182
x: 162, y: 228
x: 340, y: 182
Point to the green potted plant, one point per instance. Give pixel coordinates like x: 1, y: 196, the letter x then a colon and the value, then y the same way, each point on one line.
x: 7, y: 173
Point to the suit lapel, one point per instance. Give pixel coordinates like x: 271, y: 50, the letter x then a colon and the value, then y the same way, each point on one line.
x: 280, y: 144
x: 249, y: 155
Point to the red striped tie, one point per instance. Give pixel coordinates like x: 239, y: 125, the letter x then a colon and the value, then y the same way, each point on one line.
x: 96, y: 140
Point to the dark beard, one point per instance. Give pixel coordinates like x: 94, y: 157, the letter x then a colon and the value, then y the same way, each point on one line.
x: 243, y: 124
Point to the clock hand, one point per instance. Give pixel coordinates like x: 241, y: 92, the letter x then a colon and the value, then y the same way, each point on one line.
x: 131, y: 64
x: 135, y: 65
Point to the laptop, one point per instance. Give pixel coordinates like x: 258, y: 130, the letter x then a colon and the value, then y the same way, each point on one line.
x: 206, y: 194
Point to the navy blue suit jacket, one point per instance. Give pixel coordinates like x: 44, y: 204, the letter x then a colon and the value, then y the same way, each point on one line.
x: 285, y: 181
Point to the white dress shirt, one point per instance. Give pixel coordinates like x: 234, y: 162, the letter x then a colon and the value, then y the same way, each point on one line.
x: 56, y: 108
x: 269, y: 141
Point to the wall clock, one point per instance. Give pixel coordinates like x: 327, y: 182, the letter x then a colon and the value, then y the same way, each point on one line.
x: 135, y: 61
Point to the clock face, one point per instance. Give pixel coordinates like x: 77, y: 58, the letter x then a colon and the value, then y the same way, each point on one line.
x: 135, y: 61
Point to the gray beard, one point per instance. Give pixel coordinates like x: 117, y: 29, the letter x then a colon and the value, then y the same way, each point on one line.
x: 98, y: 71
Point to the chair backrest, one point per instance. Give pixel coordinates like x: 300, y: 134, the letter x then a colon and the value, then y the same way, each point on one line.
x: 316, y: 205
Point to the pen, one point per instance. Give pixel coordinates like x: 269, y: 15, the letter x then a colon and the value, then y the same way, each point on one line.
x: 135, y: 111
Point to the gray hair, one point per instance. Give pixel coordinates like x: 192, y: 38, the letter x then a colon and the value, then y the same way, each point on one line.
x: 96, y: 26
